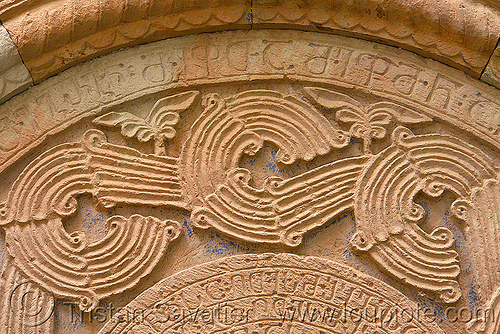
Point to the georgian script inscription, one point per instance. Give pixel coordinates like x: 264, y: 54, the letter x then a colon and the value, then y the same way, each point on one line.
x: 373, y: 140
x: 270, y: 293
x: 240, y: 57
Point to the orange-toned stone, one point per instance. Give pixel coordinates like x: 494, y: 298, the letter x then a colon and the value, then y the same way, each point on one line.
x: 460, y: 33
x: 337, y: 170
x: 269, y: 293
x: 54, y: 35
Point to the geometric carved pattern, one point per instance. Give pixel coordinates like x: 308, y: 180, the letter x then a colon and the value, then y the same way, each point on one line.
x: 268, y: 289
x: 221, y: 194
x: 71, y: 268
x: 388, y: 219
x: 208, y: 181
x: 374, y: 131
x: 48, y: 186
x: 66, y: 264
x: 283, y: 210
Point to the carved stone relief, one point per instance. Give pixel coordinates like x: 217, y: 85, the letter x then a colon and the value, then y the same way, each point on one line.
x: 269, y: 292
x: 264, y: 144
x: 59, y: 34
x: 14, y: 77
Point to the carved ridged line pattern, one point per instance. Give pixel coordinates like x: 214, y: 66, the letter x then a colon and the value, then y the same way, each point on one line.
x: 47, y: 185
x: 297, y: 204
x: 70, y: 269
x: 66, y: 263
x: 419, y: 266
x: 480, y: 213
x: 59, y: 34
x: 16, y: 293
x: 217, y: 189
x: 221, y: 134
x: 124, y: 175
x: 435, y: 33
x: 387, y: 217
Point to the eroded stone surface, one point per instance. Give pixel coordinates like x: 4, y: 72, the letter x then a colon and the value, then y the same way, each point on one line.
x: 58, y: 34
x: 269, y: 293
x: 14, y: 77
x: 238, y: 57
x: 432, y: 27
x: 491, y: 73
x: 53, y: 35
x: 240, y: 142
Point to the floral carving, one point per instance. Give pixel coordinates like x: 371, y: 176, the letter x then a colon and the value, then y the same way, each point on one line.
x: 366, y: 123
x: 208, y: 180
x: 158, y: 125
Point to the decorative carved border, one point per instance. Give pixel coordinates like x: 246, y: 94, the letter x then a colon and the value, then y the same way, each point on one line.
x: 85, y: 90
x: 54, y: 35
x: 459, y: 33
x: 270, y: 287
x: 406, y: 83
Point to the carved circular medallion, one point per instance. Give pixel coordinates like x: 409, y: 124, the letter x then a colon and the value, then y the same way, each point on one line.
x: 271, y: 293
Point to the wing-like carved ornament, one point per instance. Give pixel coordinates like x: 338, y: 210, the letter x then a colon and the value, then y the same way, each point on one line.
x: 222, y: 195
x: 45, y: 193
x: 388, y: 219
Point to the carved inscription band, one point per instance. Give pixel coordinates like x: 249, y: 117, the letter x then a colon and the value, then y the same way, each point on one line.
x: 269, y: 293
x: 241, y: 56
x: 57, y: 34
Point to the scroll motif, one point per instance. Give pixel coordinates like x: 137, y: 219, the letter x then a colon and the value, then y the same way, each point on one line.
x: 46, y: 191
x: 387, y: 218
x: 221, y: 194
x: 380, y: 185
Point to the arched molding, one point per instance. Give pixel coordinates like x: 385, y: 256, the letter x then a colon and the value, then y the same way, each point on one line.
x: 54, y: 35
x: 29, y: 118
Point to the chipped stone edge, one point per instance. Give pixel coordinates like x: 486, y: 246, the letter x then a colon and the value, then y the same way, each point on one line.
x: 14, y: 76
x: 491, y: 73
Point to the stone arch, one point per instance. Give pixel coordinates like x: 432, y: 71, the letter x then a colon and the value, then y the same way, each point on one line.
x: 361, y: 121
